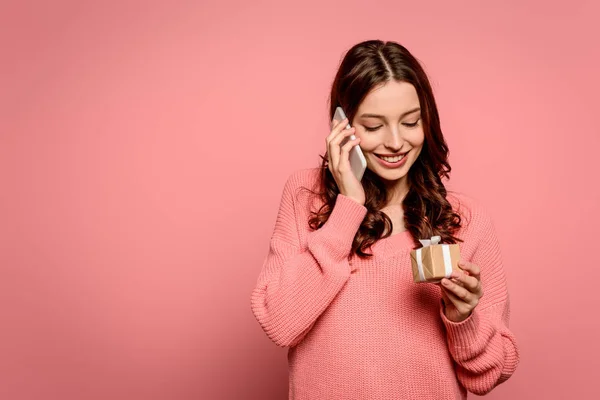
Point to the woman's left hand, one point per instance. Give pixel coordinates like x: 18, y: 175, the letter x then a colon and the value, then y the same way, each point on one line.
x: 461, y: 293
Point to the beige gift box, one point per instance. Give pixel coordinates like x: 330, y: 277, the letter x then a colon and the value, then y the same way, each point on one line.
x: 434, y: 261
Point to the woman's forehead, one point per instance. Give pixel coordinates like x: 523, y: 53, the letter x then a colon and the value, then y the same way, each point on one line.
x: 391, y: 100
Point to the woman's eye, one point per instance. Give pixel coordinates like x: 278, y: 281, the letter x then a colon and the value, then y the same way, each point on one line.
x: 413, y: 124
x: 408, y: 125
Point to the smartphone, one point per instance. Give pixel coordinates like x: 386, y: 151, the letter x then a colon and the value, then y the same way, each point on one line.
x: 358, y: 163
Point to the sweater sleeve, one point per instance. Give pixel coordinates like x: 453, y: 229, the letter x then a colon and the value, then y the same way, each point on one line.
x: 297, y: 283
x: 484, y: 349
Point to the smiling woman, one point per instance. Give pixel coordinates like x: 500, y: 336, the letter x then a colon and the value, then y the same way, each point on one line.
x: 391, y: 106
x: 356, y: 324
x: 388, y: 140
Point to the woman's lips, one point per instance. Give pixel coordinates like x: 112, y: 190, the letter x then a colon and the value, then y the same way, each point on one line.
x: 388, y: 164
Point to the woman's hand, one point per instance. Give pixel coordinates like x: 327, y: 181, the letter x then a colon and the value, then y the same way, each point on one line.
x: 339, y: 161
x: 462, y: 292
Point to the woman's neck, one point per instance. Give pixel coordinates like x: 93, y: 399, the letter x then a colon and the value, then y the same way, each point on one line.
x: 396, y: 191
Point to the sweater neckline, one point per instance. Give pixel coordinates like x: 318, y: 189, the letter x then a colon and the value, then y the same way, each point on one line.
x: 399, y: 240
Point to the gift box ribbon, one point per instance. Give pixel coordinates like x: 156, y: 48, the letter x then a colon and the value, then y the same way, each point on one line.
x: 445, y: 252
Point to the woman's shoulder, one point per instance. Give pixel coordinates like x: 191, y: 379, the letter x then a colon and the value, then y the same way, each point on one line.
x: 304, y: 176
x: 302, y: 179
x: 300, y: 195
x: 472, y: 211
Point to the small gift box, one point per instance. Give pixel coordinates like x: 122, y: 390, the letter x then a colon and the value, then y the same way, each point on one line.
x: 434, y: 261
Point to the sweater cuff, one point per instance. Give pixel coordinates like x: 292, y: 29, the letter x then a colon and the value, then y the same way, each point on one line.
x: 463, y: 333
x: 345, y: 218
x: 335, y: 237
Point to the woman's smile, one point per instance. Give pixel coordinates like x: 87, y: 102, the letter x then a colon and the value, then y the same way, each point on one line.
x: 392, y: 162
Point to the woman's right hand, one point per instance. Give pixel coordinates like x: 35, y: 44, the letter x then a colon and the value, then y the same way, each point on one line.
x: 339, y: 161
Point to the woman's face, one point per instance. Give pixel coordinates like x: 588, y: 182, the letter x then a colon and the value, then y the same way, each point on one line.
x: 388, y: 122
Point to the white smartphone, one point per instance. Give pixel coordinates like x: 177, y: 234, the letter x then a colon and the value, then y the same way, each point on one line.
x: 358, y: 163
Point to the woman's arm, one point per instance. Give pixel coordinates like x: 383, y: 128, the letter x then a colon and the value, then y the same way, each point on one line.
x: 297, y: 284
x: 483, y: 347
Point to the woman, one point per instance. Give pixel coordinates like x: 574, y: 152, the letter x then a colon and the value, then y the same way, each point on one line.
x: 336, y: 286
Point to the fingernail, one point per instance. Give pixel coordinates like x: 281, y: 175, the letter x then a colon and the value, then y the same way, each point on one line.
x: 445, y: 282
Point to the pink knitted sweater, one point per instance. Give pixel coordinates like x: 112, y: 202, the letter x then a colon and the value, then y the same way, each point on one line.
x: 362, y: 329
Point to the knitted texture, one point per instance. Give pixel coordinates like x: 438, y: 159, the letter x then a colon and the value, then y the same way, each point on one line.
x: 362, y: 329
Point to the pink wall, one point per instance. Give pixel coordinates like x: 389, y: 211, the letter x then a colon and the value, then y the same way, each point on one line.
x: 129, y: 243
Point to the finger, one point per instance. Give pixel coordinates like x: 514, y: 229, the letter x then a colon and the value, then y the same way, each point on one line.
x: 333, y: 156
x: 335, y: 123
x: 338, y: 126
x: 454, y: 278
x: 471, y: 283
x: 458, y: 303
x: 457, y: 290
x: 439, y: 283
x: 328, y: 154
x: 341, y: 135
x: 471, y: 268
x: 334, y: 146
x: 335, y: 129
x: 344, y: 156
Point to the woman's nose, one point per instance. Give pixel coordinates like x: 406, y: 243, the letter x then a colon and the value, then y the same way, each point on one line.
x: 394, y: 139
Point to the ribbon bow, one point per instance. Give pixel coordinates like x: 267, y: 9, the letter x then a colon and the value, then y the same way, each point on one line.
x: 429, y: 242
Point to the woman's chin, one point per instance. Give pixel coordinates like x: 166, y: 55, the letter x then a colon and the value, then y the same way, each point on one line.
x: 389, y: 174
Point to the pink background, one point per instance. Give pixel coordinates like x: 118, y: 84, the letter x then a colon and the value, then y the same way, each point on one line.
x: 144, y: 147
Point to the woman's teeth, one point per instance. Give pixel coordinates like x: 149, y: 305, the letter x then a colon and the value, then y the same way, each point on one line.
x: 392, y: 159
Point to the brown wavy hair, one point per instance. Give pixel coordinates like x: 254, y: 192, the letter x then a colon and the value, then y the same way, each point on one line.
x: 427, y: 212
